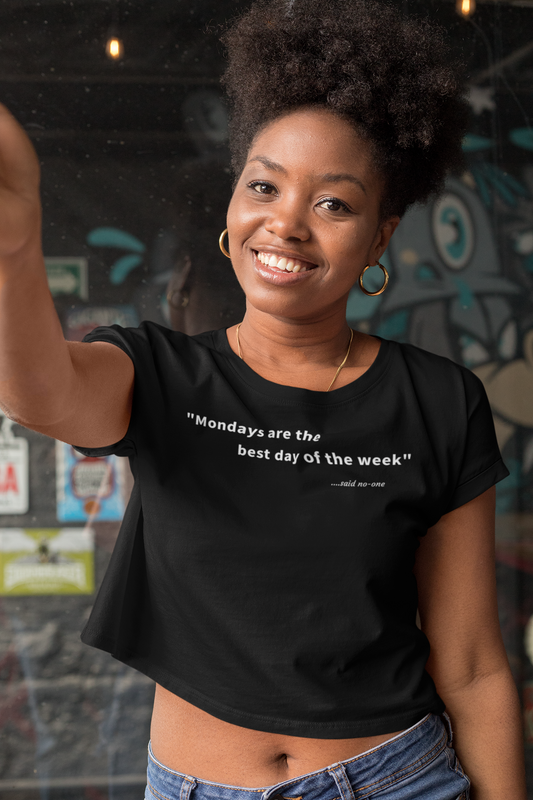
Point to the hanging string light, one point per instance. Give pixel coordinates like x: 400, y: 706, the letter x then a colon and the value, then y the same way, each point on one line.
x: 114, y: 48
x: 466, y: 8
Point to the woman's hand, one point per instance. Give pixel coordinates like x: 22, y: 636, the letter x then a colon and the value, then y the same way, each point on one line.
x: 20, y: 208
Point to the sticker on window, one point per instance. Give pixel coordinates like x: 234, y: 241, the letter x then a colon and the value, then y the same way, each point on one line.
x: 88, y: 489
x: 46, y: 561
x: 14, y: 471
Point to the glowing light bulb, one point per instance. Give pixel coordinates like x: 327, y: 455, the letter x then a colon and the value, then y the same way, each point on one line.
x: 466, y: 7
x: 114, y: 48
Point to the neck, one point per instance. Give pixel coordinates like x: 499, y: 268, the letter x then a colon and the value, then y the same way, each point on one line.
x: 282, y: 344
x: 303, y: 354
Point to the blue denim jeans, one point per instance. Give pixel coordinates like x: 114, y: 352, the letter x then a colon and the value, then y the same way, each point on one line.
x: 417, y: 764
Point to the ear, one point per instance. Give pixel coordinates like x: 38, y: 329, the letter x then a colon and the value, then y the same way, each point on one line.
x: 383, y: 237
x: 178, y: 281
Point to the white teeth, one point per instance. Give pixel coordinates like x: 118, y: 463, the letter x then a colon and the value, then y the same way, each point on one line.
x: 282, y: 263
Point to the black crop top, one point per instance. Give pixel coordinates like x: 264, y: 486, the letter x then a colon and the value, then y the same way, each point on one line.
x: 263, y: 571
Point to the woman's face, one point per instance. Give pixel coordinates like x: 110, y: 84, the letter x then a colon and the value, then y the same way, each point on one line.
x: 304, y: 220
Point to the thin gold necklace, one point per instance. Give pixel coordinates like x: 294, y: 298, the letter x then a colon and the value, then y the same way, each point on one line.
x: 345, y: 359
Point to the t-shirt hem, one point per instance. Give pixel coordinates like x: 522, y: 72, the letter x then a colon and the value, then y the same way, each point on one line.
x: 289, y: 727
x: 479, y: 484
x: 346, y: 729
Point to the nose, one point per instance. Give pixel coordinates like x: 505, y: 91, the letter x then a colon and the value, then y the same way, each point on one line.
x: 288, y: 220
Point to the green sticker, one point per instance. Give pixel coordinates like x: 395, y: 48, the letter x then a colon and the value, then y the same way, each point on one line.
x: 68, y: 276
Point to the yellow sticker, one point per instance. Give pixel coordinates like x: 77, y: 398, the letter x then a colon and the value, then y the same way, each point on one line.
x: 46, y: 561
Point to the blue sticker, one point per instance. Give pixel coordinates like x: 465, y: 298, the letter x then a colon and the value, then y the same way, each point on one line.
x: 88, y: 489
x: 522, y: 137
x: 472, y: 143
x: 121, y: 268
x: 114, y: 237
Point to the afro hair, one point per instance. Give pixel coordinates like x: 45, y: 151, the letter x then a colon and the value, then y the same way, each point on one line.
x: 392, y: 77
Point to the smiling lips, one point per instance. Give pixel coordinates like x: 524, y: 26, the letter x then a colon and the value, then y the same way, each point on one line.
x: 283, y: 263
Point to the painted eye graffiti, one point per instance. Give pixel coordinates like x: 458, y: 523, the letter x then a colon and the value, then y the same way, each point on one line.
x: 508, y: 341
x: 473, y: 352
x: 453, y: 231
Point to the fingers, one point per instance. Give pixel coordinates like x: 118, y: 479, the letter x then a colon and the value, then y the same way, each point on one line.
x: 19, y: 165
x: 19, y: 188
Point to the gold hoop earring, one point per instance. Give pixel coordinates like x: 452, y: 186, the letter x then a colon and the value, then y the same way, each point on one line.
x: 385, y: 282
x: 221, y: 243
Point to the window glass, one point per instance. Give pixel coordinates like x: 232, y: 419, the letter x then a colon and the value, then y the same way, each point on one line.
x: 123, y: 103
x: 462, y: 284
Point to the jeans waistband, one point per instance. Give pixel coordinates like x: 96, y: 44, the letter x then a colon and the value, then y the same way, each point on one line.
x: 357, y: 777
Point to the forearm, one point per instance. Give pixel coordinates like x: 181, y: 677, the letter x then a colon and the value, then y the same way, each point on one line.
x: 488, y: 736
x: 36, y: 374
x: 37, y: 377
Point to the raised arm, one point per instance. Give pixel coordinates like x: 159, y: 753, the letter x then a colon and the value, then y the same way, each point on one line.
x: 458, y: 611
x: 79, y: 393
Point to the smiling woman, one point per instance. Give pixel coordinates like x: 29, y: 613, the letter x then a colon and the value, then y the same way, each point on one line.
x: 296, y: 246
x: 301, y: 489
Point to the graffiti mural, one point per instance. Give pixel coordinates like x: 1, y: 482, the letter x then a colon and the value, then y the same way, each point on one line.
x: 454, y: 292
x: 462, y: 286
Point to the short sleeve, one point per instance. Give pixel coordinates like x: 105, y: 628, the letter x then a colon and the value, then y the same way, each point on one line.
x: 481, y: 465
x: 121, y: 337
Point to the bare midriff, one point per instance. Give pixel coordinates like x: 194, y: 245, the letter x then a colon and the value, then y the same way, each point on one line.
x: 189, y: 740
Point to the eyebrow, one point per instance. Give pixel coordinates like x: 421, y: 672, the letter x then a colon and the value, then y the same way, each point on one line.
x: 328, y: 177
x: 266, y: 162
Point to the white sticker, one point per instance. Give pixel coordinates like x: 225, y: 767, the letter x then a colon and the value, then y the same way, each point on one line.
x: 14, y: 471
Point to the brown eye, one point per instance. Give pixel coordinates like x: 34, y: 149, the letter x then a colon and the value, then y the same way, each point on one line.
x: 262, y: 188
x: 332, y: 204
